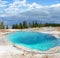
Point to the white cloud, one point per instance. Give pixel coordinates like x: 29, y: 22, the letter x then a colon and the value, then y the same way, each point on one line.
x: 35, y: 5
x: 19, y: 6
x: 55, y: 5
x: 3, y: 4
x: 16, y: 7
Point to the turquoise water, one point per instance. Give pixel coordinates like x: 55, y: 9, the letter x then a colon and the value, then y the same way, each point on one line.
x: 34, y: 40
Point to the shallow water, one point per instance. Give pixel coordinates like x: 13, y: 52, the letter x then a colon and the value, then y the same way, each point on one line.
x: 34, y: 40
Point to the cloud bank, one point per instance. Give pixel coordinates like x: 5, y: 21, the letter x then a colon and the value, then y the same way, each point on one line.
x: 23, y: 9
x: 19, y: 6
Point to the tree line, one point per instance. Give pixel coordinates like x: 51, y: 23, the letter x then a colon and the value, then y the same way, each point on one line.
x: 25, y: 24
x: 2, y: 26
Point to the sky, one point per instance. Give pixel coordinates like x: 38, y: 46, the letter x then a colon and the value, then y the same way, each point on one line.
x: 42, y: 2
x: 45, y: 9
x: 12, y: 7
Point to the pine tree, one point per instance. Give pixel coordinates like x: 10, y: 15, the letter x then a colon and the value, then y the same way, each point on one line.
x: 33, y: 24
x: 2, y: 25
x: 7, y: 27
x: 25, y: 25
x: 20, y: 26
x: 13, y: 26
x: 36, y: 24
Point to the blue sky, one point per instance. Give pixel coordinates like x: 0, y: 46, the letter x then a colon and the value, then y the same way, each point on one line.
x: 12, y: 7
x: 10, y: 1
x: 42, y: 2
x: 45, y: 9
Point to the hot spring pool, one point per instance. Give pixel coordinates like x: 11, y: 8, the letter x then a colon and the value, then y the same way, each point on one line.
x: 34, y: 40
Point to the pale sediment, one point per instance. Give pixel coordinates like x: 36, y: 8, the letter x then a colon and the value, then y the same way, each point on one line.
x: 8, y: 50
